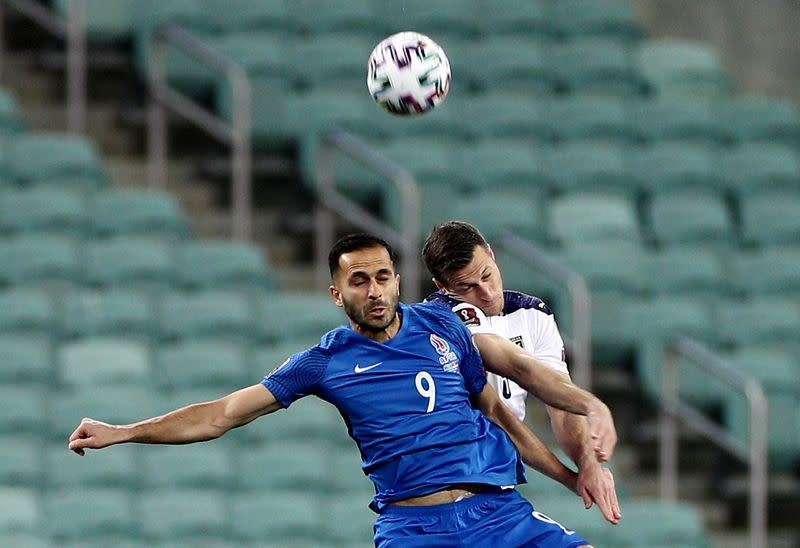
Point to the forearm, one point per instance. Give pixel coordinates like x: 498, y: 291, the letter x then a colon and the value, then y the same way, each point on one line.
x: 572, y: 433
x: 550, y: 386
x: 190, y: 424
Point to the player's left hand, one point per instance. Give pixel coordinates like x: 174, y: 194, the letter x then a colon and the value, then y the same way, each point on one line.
x: 596, y: 486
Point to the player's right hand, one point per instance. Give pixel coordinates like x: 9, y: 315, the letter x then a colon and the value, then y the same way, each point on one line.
x: 602, y: 431
x: 92, y: 434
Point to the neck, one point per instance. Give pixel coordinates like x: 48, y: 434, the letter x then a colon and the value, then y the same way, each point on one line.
x: 381, y: 335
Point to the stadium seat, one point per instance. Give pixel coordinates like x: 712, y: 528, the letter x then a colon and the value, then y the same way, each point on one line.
x: 206, y: 465
x: 601, y: 120
x: 268, y: 119
x: 107, y: 23
x: 40, y: 260
x: 677, y: 524
x: 285, y: 316
x: 292, y: 517
x: 57, y: 160
x: 672, y: 166
x: 267, y: 357
x: 12, y: 120
x: 592, y: 167
x: 529, y: 18
x: 504, y: 165
x: 608, y: 266
x: 43, y: 211
x: 443, y: 20
x: 130, y: 262
x: 285, y: 465
x: 682, y: 68
x: 689, y: 218
x: 138, y: 213
x: 355, y: 16
x: 117, y: 468
x: 25, y: 359
x: 310, y: 418
x: 201, y: 363
x: 760, y: 319
x: 115, y: 404
x: 260, y: 52
x: 72, y: 514
x: 612, y: 19
x: 770, y: 271
x: 347, y: 475
x: 212, y: 314
x: 27, y: 311
x: 761, y: 119
x: 687, y: 271
x: 20, y: 510
x: 331, y: 63
x: 681, y: 120
x: 123, y: 313
x: 24, y: 410
x: 509, y: 63
x: 586, y: 217
x: 596, y: 66
x: 223, y: 265
x: 323, y: 111
x: 498, y: 210
x: 22, y: 461
x: 452, y: 119
x: 771, y: 219
x: 183, y: 514
x: 247, y: 15
x: 759, y: 168
x: 100, y: 361
x: 511, y: 115
x: 348, y: 519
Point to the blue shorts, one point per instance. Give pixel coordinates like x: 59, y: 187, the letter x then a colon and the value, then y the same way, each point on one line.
x: 488, y: 520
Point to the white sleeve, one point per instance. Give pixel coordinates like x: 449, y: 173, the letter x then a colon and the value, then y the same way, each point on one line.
x: 548, y: 344
x: 473, y: 318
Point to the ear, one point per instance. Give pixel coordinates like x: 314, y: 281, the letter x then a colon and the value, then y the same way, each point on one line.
x: 336, y: 296
x: 397, y: 282
x: 438, y: 284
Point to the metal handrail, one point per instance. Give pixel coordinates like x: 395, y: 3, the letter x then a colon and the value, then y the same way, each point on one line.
x: 331, y: 202
x: 73, y: 31
x: 236, y: 134
x: 580, y: 300
x: 672, y: 409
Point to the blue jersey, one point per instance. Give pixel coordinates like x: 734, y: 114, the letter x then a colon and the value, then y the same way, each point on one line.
x: 406, y: 403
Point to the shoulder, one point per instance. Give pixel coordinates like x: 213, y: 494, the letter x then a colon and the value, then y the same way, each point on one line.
x: 470, y: 315
x: 443, y: 299
x: 515, y: 300
x: 434, y: 314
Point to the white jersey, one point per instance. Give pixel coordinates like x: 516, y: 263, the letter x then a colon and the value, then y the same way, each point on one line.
x: 526, y: 321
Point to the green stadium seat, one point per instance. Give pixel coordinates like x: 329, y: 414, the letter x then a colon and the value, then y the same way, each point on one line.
x: 511, y: 115
x: 259, y: 52
x: 759, y: 319
x: 286, y: 316
x: 771, y: 219
x: 32, y: 539
x: 107, y: 23
x: 348, y: 519
x: 268, y: 117
x: 307, y: 419
x: 201, y: 363
x: 602, y: 120
x: 20, y: 510
x: 133, y: 212
x: 681, y: 68
x: 504, y: 165
x: 292, y: 517
x: 508, y: 63
x: 761, y: 119
x: 24, y: 410
x: 681, y: 120
x: 689, y: 218
x: 72, y: 514
x: 687, y: 271
x: 324, y: 111
x: 25, y: 359
x: 355, y: 16
x: 118, y: 468
x: 12, y: 120
x: 770, y: 271
x: 57, y: 160
x: 442, y: 20
x: 285, y: 465
x: 223, y: 265
x: 672, y: 166
x: 663, y: 523
x: 44, y: 211
x: 452, y: 119
x: 331, y: 63
x: 205, y: 465
x: 121, y: 313
x: 40, y: 260
x: 348, y: 477
x: 115, y: 404
x: 757, y: 168
x: 22, y: 461
x: 608, y: 266
x: 267, y: 357
x: 246, y: 15
x: 212, y: 314
x: 27, y: 311
x: 613, y: 19
x: 100, y: 361
x: 130, y: 262
x: 529, y: 18
x: 183, y: 514
x: 590, y: 167
x: 497, y: 210
x: 597, y: 66
x: 586, y: 217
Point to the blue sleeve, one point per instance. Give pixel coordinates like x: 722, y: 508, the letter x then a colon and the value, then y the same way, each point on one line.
x: 298, y: 376
x: 471, y: 364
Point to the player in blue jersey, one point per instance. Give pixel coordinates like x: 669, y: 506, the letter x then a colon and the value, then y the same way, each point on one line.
x: 412, y: 390
x: 470, y: 283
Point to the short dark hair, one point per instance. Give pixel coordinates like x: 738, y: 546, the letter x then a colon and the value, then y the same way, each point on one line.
x: 449, y: 247
x: 355, y: 242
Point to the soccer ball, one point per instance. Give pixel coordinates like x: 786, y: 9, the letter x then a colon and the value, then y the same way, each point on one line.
x: 408, y: 73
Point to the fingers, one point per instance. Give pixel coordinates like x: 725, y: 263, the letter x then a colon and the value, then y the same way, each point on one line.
x: 587, y: 498
x: 604, y: 435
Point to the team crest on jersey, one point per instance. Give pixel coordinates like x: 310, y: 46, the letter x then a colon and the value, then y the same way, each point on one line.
x: 518, y: 341
x: 447, y: 357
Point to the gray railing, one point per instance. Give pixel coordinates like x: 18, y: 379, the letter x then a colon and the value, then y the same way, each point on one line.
x: 580, y: 301
x: 331, y: 202
x: 673, y: 409
x: 236, y: 134
x: 73, y: 32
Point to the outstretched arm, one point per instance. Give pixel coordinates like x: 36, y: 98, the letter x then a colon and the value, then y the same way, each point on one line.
x: 534, y: 453
x: 193, y: 423
x: 505, y: 358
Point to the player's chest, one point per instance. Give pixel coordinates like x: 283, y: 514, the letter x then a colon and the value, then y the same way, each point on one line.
x: 515, y: 328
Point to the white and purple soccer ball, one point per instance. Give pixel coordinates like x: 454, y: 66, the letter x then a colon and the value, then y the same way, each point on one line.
x: 408, y: 73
